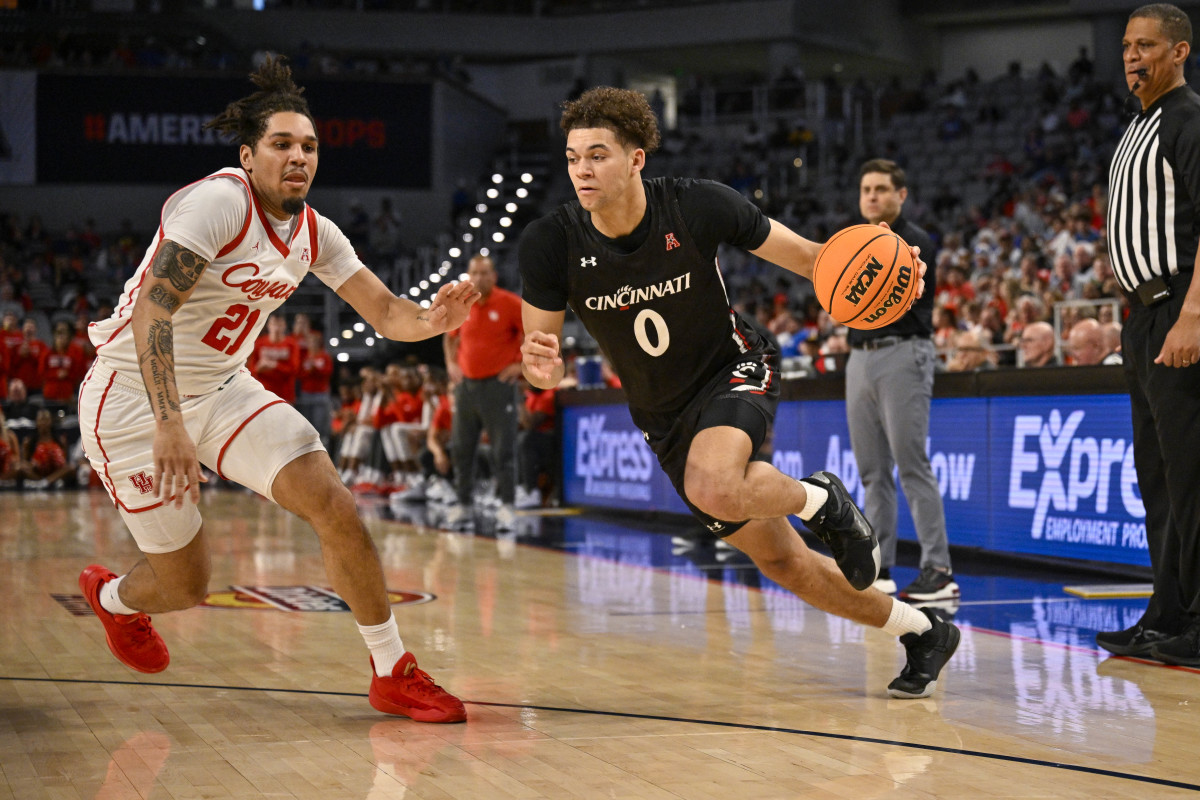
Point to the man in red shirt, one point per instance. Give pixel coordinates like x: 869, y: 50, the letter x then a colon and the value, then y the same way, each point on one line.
x: 316, y: 369
x: 25, y: 358
x: 276, y: 360
x: 62, y: 367
x: 10, y: 333
x: 483, y: 358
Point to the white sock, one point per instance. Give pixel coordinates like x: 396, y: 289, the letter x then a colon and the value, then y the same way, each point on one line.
x: 384, y: 643
x: 905, y: 619
x: 110, y: 601
x: 817, y: 495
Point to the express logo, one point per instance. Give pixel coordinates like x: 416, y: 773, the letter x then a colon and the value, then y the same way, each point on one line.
x: 1073, y: 469
x: 627, y: 296
x: 613, y: 463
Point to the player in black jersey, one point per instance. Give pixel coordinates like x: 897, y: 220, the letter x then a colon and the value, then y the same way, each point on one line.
x: 636, y: 260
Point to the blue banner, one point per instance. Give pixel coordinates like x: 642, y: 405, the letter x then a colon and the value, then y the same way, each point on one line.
x: 1050, y: 476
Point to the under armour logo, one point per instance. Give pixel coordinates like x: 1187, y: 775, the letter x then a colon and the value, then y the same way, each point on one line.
x: 715, y: 526
x: 143, y: 482
x: 672, y: 242
x: 587, y: 262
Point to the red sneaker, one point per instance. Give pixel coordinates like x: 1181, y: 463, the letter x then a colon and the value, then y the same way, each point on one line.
x: 130, y: 637
x: 410, y: 692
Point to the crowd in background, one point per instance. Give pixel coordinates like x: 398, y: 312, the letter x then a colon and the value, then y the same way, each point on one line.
x: 1023, y: 276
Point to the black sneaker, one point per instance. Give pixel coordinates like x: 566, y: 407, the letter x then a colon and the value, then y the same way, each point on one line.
x: 931, y: 584
x: 927, y: 654
x: 1135, y: 641
x: 841, y: 526
x: 1182, y: 650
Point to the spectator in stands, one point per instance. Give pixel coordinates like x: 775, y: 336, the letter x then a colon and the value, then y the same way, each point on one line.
x: 10, y: 452
x: 62, y: 367
x: 313, y: 398
x: 1037, y: 345
x: 437, y: 467
x: 25, y: 360
x: 276, y: 359
x: 971, y: 353
x: 536, y: 446
x: 384, y: 237
x: 1088, y: 346
x: 356, y: 467
x: 46, y: 464
x: 399, y: 424
x: 1112, y: 336
x: 483, y: 358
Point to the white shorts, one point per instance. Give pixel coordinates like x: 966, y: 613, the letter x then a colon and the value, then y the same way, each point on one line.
x: 242, y: 432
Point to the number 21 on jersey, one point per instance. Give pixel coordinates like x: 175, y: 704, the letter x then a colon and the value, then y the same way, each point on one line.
x: 226, y: 329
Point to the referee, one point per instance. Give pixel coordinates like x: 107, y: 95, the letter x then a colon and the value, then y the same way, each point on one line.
x: 1153, y: 232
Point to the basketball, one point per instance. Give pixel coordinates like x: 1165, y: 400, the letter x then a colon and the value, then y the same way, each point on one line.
x: 865, y: 277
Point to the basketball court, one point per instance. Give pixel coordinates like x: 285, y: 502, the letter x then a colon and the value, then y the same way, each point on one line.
x: 597, y: 656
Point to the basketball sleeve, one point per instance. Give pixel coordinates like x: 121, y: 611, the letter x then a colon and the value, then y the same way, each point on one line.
x: 716, y: 214
x: 207, y: 216
x: 336, y: 259
x: 542, y: 255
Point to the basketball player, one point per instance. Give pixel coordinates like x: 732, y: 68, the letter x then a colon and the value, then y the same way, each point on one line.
x: 230, y: 249
x: 636, y: 260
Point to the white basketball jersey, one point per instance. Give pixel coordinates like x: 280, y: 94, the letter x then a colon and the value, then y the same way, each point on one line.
x: 251, y: 271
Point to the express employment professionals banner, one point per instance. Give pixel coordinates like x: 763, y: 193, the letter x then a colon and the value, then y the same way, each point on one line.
x: 149, y: 129
x: 1050, y: 476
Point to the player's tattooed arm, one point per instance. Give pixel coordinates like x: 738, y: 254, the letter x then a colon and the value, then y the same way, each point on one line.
x: 157, y: 361
x: 168, y: 300
x: 178, y: 265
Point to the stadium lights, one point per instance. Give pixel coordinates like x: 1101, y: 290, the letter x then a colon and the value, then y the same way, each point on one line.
x: 359, y: 327
x: 424, y: 304
x: 434, y: 278
x: 424, y: 284
x: 497, y: 237
x: 505, y: 222
x: 444, y: 268
x: 475, y: 222
x: 481, y: 208
x: 343, y: 357
x: 483, y: 251
x: 347, y: 334
x: 526, y: 177
x: 497, y: 178
x: 493, y: 194
x: 333, y: 342
x: 370, y: 341
x: 463, y: 276
x: 454, y: 252
x: 468, y: 237
x: 522, y: 192
x: 414, y: 291
x: 510, y: 208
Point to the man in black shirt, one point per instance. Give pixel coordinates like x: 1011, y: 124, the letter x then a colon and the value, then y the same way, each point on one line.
x: 889, y: 386
x: 1154, y: 244
x: 636, y: 260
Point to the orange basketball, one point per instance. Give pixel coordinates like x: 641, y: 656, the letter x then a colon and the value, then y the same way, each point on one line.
x: 865, y: 277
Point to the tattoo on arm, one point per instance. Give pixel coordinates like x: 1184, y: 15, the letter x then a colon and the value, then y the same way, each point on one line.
x: 162, y: 297
x: 159, y: 355
x: 179, y: 265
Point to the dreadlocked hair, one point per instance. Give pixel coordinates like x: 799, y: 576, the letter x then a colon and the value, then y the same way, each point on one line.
x: 622, y: 111
x: 245, y: 120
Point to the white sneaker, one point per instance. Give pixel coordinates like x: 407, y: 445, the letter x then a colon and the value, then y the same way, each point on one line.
x: 506, y: 518
x: 885, y: 582
x: 528, y: 498
x: 459, y: 518
x: 417, y: 492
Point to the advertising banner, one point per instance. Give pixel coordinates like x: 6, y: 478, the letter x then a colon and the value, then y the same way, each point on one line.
x: 150, y: 129
x: 1050, y: 476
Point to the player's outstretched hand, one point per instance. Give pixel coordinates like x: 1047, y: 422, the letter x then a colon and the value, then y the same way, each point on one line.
x: 540, y: 354
x: 450, y: 307
x: 921, y: 266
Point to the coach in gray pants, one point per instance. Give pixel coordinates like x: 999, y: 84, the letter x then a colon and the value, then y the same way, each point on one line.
x: 889, y: 382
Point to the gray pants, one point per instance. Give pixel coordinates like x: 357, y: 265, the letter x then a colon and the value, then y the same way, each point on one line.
x: 887, y: 407
x: 317, y: 408
x: 490, y: 405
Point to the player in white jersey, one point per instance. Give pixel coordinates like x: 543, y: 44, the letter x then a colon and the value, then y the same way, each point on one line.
x: 229, y: 250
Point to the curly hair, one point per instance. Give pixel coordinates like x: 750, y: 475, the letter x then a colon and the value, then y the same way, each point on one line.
x: 245, y: 120
x: 622, y: 111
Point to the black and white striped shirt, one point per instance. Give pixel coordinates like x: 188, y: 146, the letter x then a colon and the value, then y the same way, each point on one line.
x: 1154, y: 190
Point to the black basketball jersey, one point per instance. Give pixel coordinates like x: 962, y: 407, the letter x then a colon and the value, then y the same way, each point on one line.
x: 660, y: 314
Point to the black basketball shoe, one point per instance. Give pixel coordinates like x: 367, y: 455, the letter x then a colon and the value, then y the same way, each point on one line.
x: 1136, y: 641
x: 1182, y: 650
x: 841, y: 526
x: 927, y: 653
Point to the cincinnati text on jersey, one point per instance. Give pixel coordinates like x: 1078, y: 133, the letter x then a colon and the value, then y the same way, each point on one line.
x: 627, y: 296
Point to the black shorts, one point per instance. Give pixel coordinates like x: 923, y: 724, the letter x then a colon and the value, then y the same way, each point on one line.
x: 743, y: 395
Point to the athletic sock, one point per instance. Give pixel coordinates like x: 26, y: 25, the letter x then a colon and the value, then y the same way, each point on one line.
x: 817, y: 495
x: 384, y: 643
x: 110, y: 601
x: 905, y: 619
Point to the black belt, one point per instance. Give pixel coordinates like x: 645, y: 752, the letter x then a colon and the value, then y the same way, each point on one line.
x: 881, y: 342
x: 1159, y: 290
